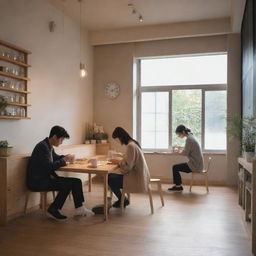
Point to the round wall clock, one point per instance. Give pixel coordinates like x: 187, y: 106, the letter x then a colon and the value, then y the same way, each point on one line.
x: 112, y: 90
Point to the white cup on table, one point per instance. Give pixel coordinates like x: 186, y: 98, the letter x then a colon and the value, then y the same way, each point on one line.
x: 93, y: 162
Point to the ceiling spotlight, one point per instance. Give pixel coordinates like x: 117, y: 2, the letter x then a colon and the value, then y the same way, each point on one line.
x: 134, y: 11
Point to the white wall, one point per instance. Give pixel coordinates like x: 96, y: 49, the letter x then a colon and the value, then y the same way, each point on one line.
x: 115, y: 63
x: 59, y: 95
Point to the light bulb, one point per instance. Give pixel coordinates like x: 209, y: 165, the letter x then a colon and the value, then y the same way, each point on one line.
x: 83, y: 71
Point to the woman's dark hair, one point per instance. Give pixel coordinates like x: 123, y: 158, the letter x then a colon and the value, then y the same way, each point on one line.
x: 59, y: 132
x: 182, y: 128
x: 123, y: 136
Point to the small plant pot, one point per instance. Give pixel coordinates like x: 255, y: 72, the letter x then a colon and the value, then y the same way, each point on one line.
x: 93, y: 141
x: 5, y: 151
x: 249, y: 156
x: 104, y: 141
x: 87, y: 142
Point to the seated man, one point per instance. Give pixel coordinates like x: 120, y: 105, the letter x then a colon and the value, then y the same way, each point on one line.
x: 41, y: 175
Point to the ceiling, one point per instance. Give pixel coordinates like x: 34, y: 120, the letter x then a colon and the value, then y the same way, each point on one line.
x: 111, y: 14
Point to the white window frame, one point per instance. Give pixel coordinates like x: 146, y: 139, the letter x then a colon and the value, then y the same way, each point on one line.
x: 169, y: 88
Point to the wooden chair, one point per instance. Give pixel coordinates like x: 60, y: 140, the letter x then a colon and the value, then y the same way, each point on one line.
x: 43, y: 200
x: 152, y: 181
x: 202, y: 173
x: 159, y: 188
x: 128, y: 194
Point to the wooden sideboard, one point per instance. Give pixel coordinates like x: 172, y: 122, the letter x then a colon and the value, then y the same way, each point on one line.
x: 13, y: 186
x: 247, y: 195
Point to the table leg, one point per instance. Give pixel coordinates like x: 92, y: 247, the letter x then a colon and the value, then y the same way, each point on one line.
x: 90, y: 182
x: 105, y: 197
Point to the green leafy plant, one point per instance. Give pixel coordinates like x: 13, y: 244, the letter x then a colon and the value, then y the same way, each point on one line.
x: 243, y: 129
x: 89, y: 132
x: 101, y: 136
x: 4, y: 144
x: 104, y: 136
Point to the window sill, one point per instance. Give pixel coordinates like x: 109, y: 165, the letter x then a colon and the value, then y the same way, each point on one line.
x: 178, y: 154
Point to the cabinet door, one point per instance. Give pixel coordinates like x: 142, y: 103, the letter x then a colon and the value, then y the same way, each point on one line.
x: 16, y: 185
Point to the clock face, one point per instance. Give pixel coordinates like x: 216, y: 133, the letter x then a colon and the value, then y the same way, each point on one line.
x: 112, y: 90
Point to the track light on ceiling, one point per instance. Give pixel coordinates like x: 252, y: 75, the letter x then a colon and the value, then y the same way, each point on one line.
x: 135, y: 11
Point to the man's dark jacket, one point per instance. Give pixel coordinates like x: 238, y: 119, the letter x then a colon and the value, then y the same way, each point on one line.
x: 42, y: 165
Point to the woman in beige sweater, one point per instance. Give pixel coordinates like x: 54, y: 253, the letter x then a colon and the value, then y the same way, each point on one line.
x: 193, y: 152
x: 134, y: 175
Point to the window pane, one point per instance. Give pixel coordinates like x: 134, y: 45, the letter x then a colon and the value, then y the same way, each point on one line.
x: 186, y: 110
x: 155, y: 120
x: 148, y: 139
x: 186, y: 70
x: 215, y: 120
x: 148, y: 122
x: 162, y: 139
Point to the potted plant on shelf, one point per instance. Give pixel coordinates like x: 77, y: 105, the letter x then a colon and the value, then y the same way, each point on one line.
x: 243, y: 129
x: 89, y: 134
x: 101, y: 137
x: 97, y: 136
x: 104, y: 138
x: 5, y: 149
x: 3, y: 104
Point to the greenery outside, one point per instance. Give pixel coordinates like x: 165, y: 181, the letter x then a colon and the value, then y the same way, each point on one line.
x: 186, y: 110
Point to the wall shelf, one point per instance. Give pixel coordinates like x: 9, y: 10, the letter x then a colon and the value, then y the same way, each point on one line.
x: 18, y: 104
x: 13, y: 90
x: 13, y: 109
x: 15, y: 62
x: 14, y: 76
x: 14, y: 117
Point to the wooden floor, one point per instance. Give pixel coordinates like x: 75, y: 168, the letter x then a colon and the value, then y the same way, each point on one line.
x: 194, y: 224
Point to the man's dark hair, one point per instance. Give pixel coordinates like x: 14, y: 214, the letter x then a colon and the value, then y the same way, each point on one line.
x: 59, y: 132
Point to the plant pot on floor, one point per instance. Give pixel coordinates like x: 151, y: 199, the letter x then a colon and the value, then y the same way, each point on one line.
x: 249, y: 156
x: 5, y: 151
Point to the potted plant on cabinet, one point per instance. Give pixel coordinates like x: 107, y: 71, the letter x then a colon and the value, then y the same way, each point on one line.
x: 5, y: 149
x: 243, y: 129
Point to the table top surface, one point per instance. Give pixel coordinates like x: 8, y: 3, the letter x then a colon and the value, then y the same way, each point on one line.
x: 85, y: 167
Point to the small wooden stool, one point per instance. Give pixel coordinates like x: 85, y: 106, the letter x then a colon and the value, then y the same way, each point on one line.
x: 128, y: 194
x: 43, y: 200
x: 204, y: 173
x: 159, y: 187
